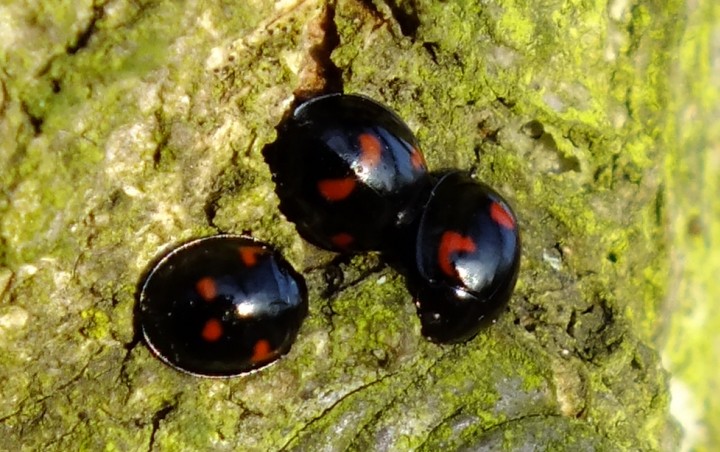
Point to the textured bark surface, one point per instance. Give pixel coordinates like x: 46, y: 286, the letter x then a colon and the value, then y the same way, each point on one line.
x: 127, y: 127
x: 692, y: 343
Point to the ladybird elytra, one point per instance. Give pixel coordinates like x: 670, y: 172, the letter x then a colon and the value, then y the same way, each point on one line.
x: 221, y: 306
x: 467, y: 257
x: 348, y: 172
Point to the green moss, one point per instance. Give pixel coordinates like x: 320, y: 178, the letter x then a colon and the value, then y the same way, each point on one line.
x: 691, y: 175
x: 97, y: 323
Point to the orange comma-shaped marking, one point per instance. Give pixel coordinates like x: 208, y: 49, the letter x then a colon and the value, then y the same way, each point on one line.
x: 501, y: 216
x: 452, y: 242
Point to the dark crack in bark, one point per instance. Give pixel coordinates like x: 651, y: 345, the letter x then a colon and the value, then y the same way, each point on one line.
x: 432, y: 48
x: 3, y: 95
x: 321, y: 75
x: 84, y: 37
x: 36, y: 122
x: 164, y: 135
x: 157, y: 418
x: 406, y: 16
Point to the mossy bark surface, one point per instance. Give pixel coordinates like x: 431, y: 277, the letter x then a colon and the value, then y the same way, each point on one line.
x: 692, y: 342
x: 128, y: 127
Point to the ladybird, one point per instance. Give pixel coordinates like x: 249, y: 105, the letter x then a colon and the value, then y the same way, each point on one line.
x: 221, y: 306
x: 348, y: 172
x: 467, y: 256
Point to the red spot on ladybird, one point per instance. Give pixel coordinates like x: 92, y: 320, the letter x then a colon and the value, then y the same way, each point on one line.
x: 336, y: 189
x: 501, y: 216
x: 249, y: 254
x: 370, y: 150
x: 206, y: 288
x: 452, y: 242
x: 342, y: 240
x: 416, y: 159
x: 261, y: 351
x: 212, y: 331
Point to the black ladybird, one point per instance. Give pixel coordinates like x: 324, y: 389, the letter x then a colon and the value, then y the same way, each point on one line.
x: 348, y: 172
x: 221, y: 306
x: 467, y: 256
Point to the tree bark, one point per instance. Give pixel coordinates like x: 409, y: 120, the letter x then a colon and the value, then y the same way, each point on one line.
x: 128, y: 127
